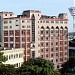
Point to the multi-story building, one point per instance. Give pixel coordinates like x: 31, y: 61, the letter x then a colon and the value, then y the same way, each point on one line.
x: 41, y: 36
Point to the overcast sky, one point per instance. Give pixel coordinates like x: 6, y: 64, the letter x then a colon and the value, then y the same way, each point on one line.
x: 48, y: 7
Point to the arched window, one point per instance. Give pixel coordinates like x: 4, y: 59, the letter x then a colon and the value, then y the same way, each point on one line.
x: 61, y: 27
x: 42, y: 27
x: 57, y: 27
x: 47, y: 27
x: 66, y: 27
x: 52, y: 27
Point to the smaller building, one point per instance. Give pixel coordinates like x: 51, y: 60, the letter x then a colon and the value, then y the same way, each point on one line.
x: 15, y: 56
x: 72, y: 48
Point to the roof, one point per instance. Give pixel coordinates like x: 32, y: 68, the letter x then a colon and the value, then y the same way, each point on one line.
x: 32, y: 11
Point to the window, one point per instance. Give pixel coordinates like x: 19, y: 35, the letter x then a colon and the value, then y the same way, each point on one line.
x: 5, y: 27
x: 47, y: 32
x: 11, y: 56
x: 28, y: 26
x: 43, y: 21
x: 5, y: 33
x: 33, y: 54
x: 5, y: 14
x: 23, y: 21
x: 38, y: 14
x: 41, y: 50
x: 23, y: 26
x: 41, y: 56
x: 16, y: 56
x: 5, y: 39
x: 11, y: 32
x: 51, y: 60
x: 51, y: 49
x: 17, y: 32
x: 51, y: 37
x: 47, y: 44
x: 17, y: 45
x: 57, y: 31
x: 16, y: 20
x: 56, y: 60
x: 28, y: 45
x: 5, y: 44
x: 11, y: 45
x: 20, y: 55
x: 10, y: 14
x: 47, y: 21
x: 61, y: 22
x: 51, y: 43
x: 40, y: 21
x: 17, y: 39
x: 10, y: 21
x: 42, y: 32
x: 61, y: 42
x: 65, y: 53
x: 51, y: 55
x: 57, y: 37
x: 5, y: 22
x: 56, y: 43
x: 51, y: 31
x: 10, y: 26
x: 47, y: 38
x: 65, y: 22
x: 46, y: 49
x: 52, y: 21
x: 46, y: 55
x: 57, y: 49
x: 61, y: 48
x: 17, y: 25
x: 57, y: 54
x: 56, y: 21
x: 11, y: 38
x: 42, y: 44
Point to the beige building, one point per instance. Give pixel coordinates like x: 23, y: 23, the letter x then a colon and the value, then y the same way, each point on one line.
x: 41, y: 35
x: 14, y: 56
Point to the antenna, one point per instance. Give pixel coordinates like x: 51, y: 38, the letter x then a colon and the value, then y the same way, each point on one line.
x: 72, y: 12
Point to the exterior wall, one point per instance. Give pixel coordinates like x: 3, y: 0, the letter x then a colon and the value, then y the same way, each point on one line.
x: 40, y: 35
x: 14, y: 56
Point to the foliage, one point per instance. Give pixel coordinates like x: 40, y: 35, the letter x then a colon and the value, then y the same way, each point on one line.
x: 37, y: 66
x: 7, y: 70
x: 2, y: 58
x: 68, y: 67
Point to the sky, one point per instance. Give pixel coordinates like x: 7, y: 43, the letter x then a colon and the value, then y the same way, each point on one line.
x: 47, y: 7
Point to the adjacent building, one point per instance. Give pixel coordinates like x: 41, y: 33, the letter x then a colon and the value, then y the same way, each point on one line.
x: 72, y: 48
x: 14, y: 56
x: 40, y: 35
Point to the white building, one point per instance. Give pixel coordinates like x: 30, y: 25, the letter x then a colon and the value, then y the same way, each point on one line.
x: 14, y: 56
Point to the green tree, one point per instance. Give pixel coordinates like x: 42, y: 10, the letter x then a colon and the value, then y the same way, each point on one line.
x: 7, y: 70
x: 2, y: 58
x: 38, y: 66
x: 68, y: 68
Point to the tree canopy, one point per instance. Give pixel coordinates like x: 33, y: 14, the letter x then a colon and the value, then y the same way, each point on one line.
x: 2, y: 58
x: 38, y: 66
x: 68, y: 68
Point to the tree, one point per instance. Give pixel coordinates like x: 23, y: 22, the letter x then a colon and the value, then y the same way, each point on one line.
x: 68, y: 67
x: 7, y: 70
x: 37, y: 66
x: 2, y: 58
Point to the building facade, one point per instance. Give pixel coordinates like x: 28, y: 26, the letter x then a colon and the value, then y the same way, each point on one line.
x: 40, y: 35
x: 14, y: 56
